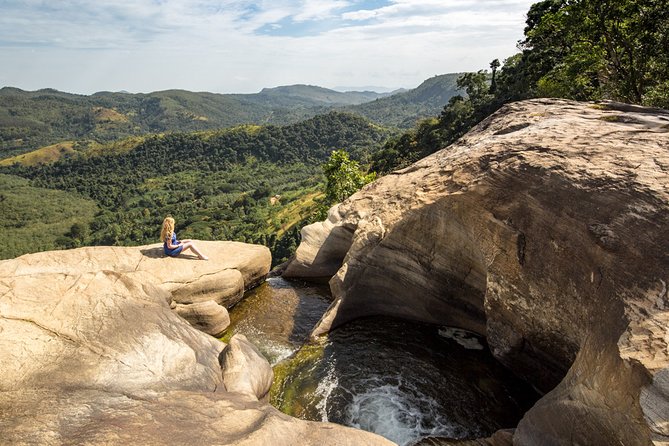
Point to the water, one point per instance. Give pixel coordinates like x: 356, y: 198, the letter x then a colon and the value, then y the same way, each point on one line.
x: 278, y: 316
x: 403, y: 380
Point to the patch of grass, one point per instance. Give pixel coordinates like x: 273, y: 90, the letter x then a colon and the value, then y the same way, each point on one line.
x: 44, y: 155
x: 36, y: 219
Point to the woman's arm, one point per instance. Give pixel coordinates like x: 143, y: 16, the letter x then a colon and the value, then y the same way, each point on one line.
x: 171, y: 245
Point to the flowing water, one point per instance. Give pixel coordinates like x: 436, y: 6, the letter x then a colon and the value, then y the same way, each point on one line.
x: 403, y: 380
x: 278, y: 316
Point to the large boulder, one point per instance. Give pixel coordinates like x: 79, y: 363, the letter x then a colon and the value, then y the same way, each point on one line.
x: 99, y: 330
x: 544, y: 229
x: 245, y: 369
x: 232, y: 268
x: 98, y: 357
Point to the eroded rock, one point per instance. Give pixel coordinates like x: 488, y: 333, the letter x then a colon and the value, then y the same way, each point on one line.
x: 100, y: 330
x: 207, y: 316
x: 232, y: 268
x: 245, y: 369
x: 544, y: 229
x: 98, y: 357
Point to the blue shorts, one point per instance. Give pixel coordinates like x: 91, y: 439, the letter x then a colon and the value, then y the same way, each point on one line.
x: 173, y: 252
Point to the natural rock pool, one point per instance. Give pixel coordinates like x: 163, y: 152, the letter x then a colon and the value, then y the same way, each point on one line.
x: 403, y: 380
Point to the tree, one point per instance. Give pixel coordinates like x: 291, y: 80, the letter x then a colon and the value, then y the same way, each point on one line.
x: 343, y: 176
x: 494, y: 65
x: 78, y: 232
x: 614, y: 49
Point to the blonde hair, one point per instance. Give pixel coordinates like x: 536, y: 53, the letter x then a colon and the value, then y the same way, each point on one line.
x: 168, y: 229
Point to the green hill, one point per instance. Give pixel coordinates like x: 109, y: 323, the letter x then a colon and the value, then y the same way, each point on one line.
x: 306, y: 95
x: 247, y: 183
x: 31, y: 120
x: 405, y: 108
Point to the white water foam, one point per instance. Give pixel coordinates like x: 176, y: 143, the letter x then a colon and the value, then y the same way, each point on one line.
x: 273, y: 351
x: 397, y: 413
x: 465, y: 338
x: 325, y: 388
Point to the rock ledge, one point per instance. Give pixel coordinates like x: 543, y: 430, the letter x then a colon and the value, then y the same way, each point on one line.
x: 544, y: 229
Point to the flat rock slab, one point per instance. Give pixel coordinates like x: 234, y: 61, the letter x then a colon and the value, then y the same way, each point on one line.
x: 232, y: 268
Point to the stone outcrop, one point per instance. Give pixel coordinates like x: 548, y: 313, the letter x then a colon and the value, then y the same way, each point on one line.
x: 200, y: 291
x: 92, y: 353
x: 544, y: 229
x: 245, y: 370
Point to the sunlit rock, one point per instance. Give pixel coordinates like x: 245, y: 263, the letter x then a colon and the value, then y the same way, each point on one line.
x: 543, y: 229
x: 92, y: 353
x: 245, y: 370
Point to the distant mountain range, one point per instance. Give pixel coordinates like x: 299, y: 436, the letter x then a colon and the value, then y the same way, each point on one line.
x: 30, y: 120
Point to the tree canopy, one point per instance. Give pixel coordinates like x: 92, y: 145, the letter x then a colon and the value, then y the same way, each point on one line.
x: 573, y: 49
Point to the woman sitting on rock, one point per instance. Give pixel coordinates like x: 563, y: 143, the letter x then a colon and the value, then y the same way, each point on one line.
x: 174, y: 247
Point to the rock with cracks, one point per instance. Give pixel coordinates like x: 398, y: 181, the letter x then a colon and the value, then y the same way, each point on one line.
x: 544, y: 229
x: 93, y: 354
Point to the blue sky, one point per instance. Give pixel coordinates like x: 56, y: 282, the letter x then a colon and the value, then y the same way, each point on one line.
x: 242, y: 46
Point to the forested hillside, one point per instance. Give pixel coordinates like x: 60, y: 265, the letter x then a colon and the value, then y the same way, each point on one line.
x: 29, y: 120
x: 404, y: 109
x: 583, y: 50
x: 33, y: 120
x: 248, y: 183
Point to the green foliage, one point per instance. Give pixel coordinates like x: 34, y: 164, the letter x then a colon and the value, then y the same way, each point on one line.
x: 457, y: 117
x: 251, y: 184
x: 612, y: 49
x: 38, y: 219
x: 343, y: 177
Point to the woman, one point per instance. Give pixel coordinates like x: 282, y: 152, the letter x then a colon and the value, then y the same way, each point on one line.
x: 174, y: 247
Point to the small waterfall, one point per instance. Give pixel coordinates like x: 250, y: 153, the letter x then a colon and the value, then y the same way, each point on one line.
x: 398, y: 412
x: 402, y: 380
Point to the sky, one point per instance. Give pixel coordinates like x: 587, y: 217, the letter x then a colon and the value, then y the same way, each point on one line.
x: 242, y: 46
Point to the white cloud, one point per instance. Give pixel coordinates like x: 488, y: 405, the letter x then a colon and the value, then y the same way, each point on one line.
x: 146, y: 45
x: 319, y: 9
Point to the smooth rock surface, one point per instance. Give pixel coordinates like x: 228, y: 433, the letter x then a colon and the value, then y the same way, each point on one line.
x: 207, y: 316
x: 94, y: 417
x: 544, y: 229
x: 99, y: 330
x: 98, y: 357
x: 245, y: 369
x: 232, y: 268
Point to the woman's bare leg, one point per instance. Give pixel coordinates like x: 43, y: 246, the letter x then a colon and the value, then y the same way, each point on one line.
x: 192, y: 247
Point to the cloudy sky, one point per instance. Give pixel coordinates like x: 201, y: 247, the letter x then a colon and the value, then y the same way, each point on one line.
x: 241, y: 46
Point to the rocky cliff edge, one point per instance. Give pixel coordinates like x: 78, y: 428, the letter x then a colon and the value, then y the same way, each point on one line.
x: 93, y: 352
x: 543, y: 229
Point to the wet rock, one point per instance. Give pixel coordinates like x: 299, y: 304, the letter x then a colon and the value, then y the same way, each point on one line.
x: 544, y: 229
